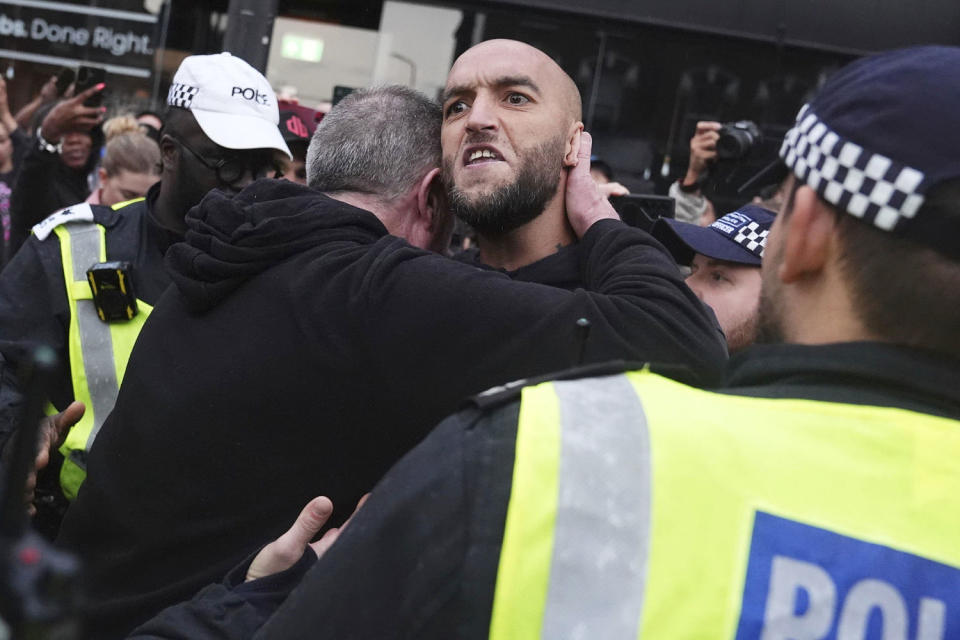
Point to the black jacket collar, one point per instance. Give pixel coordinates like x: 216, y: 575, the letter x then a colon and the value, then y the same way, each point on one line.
x: 852, y: 372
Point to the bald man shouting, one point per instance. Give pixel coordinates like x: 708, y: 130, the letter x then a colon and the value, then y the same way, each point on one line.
x: 511, y: 127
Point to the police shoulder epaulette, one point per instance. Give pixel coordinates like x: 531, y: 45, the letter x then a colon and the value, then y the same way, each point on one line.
x: 501, y: 394
x: 74, y: 213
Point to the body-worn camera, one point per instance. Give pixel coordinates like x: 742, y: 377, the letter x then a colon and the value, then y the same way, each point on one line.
x: 112, y: 290
x: 737, y: 139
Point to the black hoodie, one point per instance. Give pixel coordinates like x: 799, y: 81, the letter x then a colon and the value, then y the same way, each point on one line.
x: 302, y: 351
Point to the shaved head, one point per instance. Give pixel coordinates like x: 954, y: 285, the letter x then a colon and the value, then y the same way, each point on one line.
x: 511, y: 123
x: 549, y: 70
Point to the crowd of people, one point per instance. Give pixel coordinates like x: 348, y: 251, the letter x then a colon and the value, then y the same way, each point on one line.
x: 543, y: 436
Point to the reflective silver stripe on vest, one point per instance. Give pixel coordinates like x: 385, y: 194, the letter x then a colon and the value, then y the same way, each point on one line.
x: 602, y: 530
x: 95, y: 340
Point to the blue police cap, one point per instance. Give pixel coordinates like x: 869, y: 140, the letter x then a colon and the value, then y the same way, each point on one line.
x: 879, y: 134
x: 738, y: 237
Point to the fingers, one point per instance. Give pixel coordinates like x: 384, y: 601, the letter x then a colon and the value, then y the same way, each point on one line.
x: 586, y: 147
x: 83, y: 95
x: 613, y: 189
x: 53, y: 430
x: 360, y: 503
x: 68, y: 417
x: 707, y: 125
x: 320, y: 546
x: 309, y: 522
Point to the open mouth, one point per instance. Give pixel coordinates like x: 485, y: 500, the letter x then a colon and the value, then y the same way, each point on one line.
x: 481, y: 155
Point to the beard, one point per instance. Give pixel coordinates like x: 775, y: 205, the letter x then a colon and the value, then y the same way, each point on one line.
x: 769, y: 316
x: 512, y: 205
x: 743, y: 335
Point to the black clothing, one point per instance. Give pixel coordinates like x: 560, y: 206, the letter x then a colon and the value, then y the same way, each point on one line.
x: 304, y: 350
x: 33, y: 301
x: 420, y: 559
x: 45, y: 185
x: 19, y: 141
x: 560, y: 269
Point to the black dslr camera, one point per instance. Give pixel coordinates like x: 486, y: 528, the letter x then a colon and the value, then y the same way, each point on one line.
x: 737, y: 139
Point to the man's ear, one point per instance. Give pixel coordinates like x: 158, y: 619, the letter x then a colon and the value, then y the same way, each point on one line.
x: 809, y: 234
x: 101, y: 174
x: 169, y: 153
x: 573, y: 144
x: 433, y: 224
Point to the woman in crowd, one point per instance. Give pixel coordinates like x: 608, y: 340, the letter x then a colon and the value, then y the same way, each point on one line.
x: 130, y: 165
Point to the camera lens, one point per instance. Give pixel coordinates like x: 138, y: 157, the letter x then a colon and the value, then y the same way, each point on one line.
x: 736, y: 140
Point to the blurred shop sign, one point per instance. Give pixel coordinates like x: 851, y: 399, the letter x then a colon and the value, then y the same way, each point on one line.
x: 120, y: 40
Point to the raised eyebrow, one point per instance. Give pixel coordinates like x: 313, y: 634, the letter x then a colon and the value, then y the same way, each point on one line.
x: 516, y: 81
x: 453, y: 91
x: 504, y: 81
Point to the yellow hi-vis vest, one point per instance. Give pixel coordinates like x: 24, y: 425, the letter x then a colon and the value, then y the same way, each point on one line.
x: 98, y: 350
x: 643, y: 508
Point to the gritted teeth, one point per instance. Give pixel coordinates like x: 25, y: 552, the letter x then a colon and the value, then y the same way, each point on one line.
x: 483, y: 154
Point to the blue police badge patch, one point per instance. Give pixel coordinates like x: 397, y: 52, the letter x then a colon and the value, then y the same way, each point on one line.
x: 807, y: 583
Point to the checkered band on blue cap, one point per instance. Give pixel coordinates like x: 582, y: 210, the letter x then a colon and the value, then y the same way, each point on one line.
x: 752, y: 238
x: 181, y: 95
x: 746, y: 232
x: 867, y: 185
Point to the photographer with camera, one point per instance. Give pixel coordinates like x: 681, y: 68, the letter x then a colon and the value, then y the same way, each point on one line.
x: 711, y: 142
x: 692, y: 205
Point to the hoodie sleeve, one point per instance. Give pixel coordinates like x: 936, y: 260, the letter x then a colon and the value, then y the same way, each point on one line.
x: 490, y: 329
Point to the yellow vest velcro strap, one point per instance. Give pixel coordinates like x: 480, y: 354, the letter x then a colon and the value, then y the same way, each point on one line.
x: 574, y: 555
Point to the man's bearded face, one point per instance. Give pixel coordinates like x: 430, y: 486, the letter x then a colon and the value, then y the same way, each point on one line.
x: 508, y: 205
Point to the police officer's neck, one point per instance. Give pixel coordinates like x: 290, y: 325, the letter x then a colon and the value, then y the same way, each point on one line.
x: 537, y: 239
x: 822, y: 311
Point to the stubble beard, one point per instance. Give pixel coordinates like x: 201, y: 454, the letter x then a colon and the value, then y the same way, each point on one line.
x: 514, y: 204
x: 744, y: 334
x: 769, y: 317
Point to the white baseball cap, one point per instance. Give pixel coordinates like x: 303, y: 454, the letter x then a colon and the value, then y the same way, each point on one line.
x: 232, y: 102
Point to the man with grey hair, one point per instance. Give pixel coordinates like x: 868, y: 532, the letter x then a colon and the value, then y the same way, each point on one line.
x: 310, y: 340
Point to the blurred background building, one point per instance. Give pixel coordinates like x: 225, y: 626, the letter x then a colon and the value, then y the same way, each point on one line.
x: 647, y: 70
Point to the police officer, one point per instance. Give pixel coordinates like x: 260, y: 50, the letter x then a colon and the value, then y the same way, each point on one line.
x: 221, y: 132
x: 724, y: 260
x: 817, y: 495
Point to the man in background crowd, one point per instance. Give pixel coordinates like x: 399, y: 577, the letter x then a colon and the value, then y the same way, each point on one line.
x: 724, y: 259
x: 297, y: 124
x: 692, y: 205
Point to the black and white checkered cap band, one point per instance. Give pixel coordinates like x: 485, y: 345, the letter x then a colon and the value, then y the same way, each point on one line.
x: 181, y: 95
x: 867, y: 185
x: 753, y: 238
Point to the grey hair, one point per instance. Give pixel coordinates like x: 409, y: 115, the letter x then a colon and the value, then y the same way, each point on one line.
x: 379, y: 141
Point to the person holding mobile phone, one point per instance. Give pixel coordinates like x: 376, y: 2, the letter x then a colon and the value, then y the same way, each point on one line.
x: 13, y: 146
x: 55, y: 171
